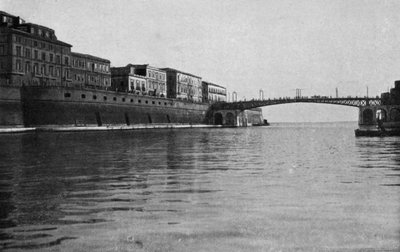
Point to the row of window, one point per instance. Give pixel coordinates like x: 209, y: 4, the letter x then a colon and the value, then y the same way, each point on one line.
x: 40, y: 69
x: 189, y: 90
x: 156, y: 75
x: 217, y: 91
x: 41, y: 45
x: 156, y: 85
x: 91, y: 79
x: 39, y: 55
x: 216, y: 98
x: 186, y: 79
x: 123, y: 99
x: 94, y: 67
x: 55, y: 58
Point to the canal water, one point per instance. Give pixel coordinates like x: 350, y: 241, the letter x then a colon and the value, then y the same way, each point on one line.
x: 287, y: 187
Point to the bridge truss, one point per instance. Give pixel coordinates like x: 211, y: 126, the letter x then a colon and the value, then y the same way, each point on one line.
x: 350, y: 101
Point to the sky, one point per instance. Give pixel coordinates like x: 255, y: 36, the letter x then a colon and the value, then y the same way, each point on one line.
x: 244, y: 45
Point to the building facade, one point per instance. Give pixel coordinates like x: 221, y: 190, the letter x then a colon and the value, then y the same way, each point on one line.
x: 213, y: 92
x: 156, y: 79
x: 31, y: 54
x: 125, y: 79
x: 183, y: 85
x: 90, y: 71
x: 392, y: 97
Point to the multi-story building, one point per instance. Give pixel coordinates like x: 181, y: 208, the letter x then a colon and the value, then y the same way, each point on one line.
x: 140, y: 79
x: 183, y: 85
x: 125, y: 79
x: 90, y: 71
x: 31, y: 54
x: 213, y: 92
x: 156, y: 79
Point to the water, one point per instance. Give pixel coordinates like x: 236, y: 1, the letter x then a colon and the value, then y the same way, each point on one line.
x: 289, y: 187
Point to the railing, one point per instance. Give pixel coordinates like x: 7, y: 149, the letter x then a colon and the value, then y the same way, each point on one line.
x: 349, y: 101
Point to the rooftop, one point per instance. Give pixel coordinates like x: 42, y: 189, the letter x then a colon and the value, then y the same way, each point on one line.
x: 210, y: 83
x: 175, y: 70
x: 88, y: 56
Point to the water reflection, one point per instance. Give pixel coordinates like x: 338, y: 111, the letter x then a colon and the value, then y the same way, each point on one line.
x: 211, y: 181
x: 380, y: 153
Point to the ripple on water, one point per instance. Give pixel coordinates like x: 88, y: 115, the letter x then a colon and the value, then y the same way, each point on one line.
x: 201, y: 189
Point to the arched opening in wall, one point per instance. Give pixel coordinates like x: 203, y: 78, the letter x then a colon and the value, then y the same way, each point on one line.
x: 230, y: 119
x: 217, y: 119
x: 149, y: 117
x: 127, y: 119
x: 395, y: 114
x: 368, y: 116
x: 168, y: 119
x: 98, y: 119
x: 381, y: 115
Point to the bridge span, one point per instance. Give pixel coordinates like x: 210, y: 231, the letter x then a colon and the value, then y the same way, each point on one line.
x: 244, y: 113
x: 245, y: 105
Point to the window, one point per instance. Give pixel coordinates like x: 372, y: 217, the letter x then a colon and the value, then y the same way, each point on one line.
x: 131, y: 100
x: 51, y: 57
x: 36, y: 68
x: 58, y: 59
x: 51, y: 70
x: 94, y: 97
x: 83, y: 96
x: 67, y: 95
x: 115, y: 98
x: 27, y: 53
x: 123, y: 99
x: 35, y: 43
x: 67, y: 74
x: 36, y: 54
x: 19, y: 65
x: 43, y: 56
x: 66, y: 60
x: 2, y: 51
x: 18, y: 50
x: 28, y: 67
x: 105, y: 98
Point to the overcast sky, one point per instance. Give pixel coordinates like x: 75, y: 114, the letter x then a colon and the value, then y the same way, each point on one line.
x: 245, y: 45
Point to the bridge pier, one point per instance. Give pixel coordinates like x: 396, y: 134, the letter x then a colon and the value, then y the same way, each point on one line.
x: 373, y: 120
x: 236, y: 117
